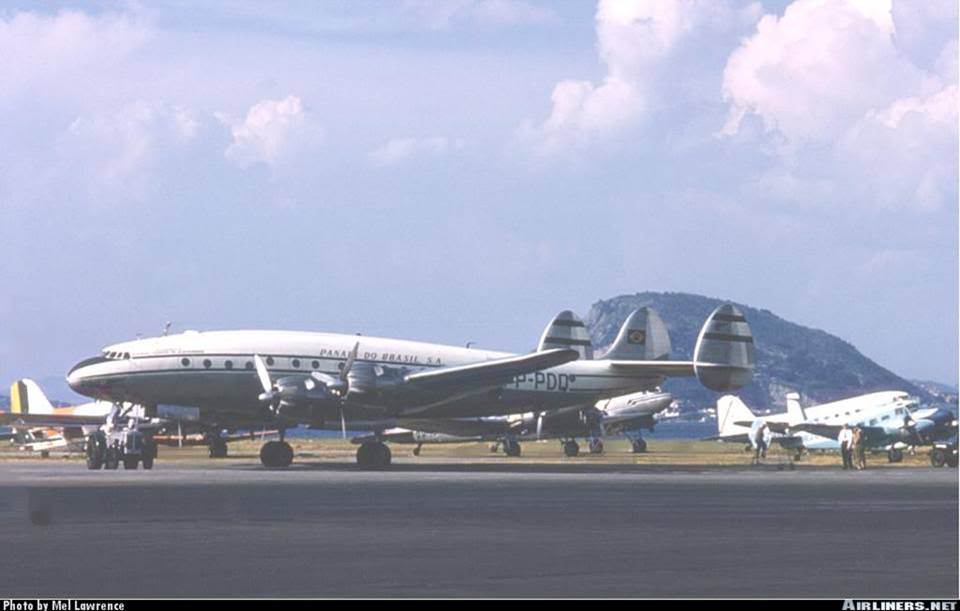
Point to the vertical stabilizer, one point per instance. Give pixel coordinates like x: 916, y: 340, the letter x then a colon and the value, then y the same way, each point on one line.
x: 795, y: 411
x: 27, y: 398
x: 566, y: 330
x: 643, y: 337
x: 730, y: 410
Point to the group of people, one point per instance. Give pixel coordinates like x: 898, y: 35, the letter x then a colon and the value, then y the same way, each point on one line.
x: 852, y: 447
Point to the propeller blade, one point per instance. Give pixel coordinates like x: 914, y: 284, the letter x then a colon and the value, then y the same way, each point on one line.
x: 539, y: 425
x: 343, y: 421
x: 350, y: 359
x: 263, y: 374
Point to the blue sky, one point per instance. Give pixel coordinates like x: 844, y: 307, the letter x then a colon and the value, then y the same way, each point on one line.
x: 462, y: 170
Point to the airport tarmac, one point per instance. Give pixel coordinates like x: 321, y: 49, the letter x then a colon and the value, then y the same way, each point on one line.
x: 454, y: 528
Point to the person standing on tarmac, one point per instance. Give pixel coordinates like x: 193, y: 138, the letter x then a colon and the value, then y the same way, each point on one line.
x: 858, y: 449
x: 760, y: 443
x: 846, y: 439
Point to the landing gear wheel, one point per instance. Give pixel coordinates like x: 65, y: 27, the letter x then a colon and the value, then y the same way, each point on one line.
x: 218, y: 448
x: 96, y: 449
x: 938, y: 458
x: 45, y: 454
x: 276, y: 454
x: 130, y: 463
x: 596, y: 446
x: 373, y: 455
x: 111, y: 460
x: 416, y: 451
x: 639, y: 446
x: 571, y: 448
x: 149, y: 453
x: 952, y: 460
x: 895, y: 455
x: 511, y: 448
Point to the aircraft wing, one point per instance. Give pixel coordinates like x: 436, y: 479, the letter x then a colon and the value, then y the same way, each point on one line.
x: 776, y: 427
x: 488, y: 373
x: 49, y: 420
x: 831, y: 431
x: 19, y: 421
x: 738, y: 438
x: 466, y: 427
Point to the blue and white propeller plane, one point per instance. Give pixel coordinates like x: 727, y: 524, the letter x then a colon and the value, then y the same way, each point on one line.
x: 890, y: 420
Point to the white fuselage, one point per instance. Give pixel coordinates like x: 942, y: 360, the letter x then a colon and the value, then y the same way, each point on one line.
x: 215, y: 370
x: 885, y: 409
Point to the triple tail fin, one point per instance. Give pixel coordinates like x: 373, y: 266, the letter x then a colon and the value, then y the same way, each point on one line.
x: 567, y: 331
x: 643, y: 337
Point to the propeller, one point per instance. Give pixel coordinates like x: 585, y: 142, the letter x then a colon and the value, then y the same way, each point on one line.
x: 340, y: 385
x: 270, y: 394
x: 539, y: 425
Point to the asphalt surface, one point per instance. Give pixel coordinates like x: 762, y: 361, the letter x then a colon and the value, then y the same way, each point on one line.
x: 234, y: 529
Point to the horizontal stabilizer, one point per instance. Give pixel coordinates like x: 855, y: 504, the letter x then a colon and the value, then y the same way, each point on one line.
x: 490, y: 373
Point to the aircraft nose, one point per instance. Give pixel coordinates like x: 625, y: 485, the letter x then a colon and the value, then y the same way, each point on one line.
x: 77, y: 377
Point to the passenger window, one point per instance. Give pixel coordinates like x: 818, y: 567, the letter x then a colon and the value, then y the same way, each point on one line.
x: 185, y: 362
x: 295, y: 363
x: 228, y: 364
x: 248, y: 365
x: 207, y: 363
x: 269, y: 360
x: 315, y: 364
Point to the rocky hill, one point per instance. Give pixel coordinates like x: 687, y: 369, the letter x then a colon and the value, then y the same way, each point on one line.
x: 790, y: 357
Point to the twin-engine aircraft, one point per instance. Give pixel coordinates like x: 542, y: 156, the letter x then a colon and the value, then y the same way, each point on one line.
x: 38, y: 426
x: 287, y: 378
x: 891, y: 420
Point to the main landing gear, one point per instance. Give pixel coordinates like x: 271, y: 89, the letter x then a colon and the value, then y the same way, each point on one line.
x: 511, y: 447
x: 373, y: 455
x: 638, y: 444
x: 596, y: 445
x: 217, y: 445
x: 895, y: 455
x: 276, y: 454
x: 571, y: 448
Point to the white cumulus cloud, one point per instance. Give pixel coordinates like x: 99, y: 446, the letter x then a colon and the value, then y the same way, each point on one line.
x: 830, y: 78
x: 271, y: 131
x: 638, y: 42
